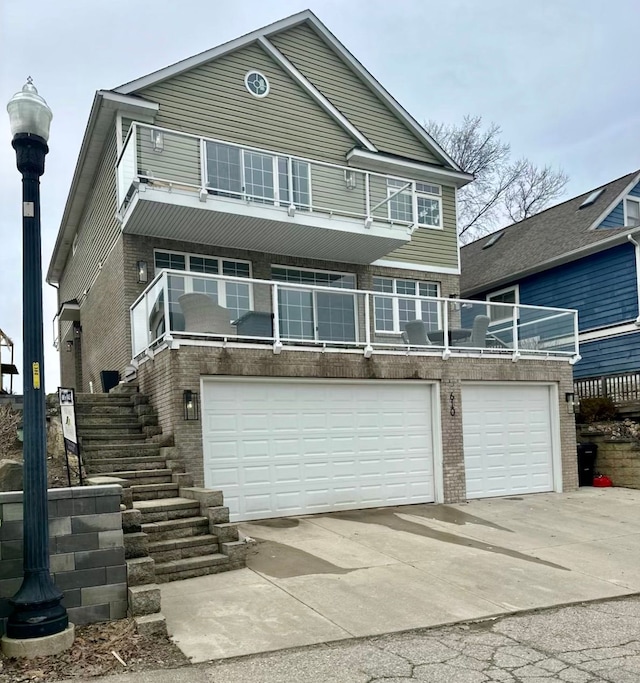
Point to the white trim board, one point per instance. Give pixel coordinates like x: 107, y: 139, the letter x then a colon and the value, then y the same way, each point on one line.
x: 617, y: 331
x: 405, y: 265
x: 614, y: 202
x: 415, y: 170
x: 314, y: 93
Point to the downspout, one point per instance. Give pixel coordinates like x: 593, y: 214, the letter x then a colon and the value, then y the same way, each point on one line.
x: 637, y: 253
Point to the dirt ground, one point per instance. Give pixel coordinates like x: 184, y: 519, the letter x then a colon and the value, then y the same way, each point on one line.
x: 96, y: 651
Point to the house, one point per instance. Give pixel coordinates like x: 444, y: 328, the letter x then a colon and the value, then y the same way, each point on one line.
x: 581, y: 254
x: 267, y: 239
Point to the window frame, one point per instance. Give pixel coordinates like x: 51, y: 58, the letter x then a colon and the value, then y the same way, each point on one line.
x: 634, y: 200
x: 489, y: 298
x: 395, y: 298
x: 243, y: 195
x: 413, y: 193
x: 190, y: 274
x: 314, y: 304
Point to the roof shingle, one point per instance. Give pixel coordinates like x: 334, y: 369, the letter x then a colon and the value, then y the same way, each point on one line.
x: 525, y: 246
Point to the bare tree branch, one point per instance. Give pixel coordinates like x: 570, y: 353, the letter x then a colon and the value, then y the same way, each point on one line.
x: 502, y: 189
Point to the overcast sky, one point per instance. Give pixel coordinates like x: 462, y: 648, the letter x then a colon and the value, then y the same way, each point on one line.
x: 559, y: 76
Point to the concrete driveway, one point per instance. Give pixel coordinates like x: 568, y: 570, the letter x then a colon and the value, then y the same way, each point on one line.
x: 321, y: 578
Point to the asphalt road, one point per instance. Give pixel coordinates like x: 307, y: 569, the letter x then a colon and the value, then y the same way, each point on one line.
x: 586, y: 643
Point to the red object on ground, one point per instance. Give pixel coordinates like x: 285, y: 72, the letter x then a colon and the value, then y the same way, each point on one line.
x: 602, y: 480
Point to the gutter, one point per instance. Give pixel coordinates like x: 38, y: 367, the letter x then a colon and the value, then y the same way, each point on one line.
x: 636, y: 248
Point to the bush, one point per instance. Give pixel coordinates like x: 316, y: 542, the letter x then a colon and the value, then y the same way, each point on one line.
x: 9, y: 421
x: 598, y: 409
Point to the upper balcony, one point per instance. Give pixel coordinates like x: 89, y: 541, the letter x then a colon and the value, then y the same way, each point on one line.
x: 181, y: 186
x: 184, y: 307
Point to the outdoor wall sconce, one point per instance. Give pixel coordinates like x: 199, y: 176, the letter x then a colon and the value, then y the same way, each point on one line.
x: 77, y: 330
x: 69, y: 346
x: 157, y: 140
x: 143, y: 273
x: 570, y: 399
x: 190, y: 399
x: 350, y: 180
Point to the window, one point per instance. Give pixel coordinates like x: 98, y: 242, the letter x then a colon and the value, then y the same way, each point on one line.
x: 632, y: 211
x: 503, y: 296
x: 262, y: 178
x: 392, y: 313
x: 256, y: 83
x: 236, y: 296
x: 316, y: 315
x: 428, y: 203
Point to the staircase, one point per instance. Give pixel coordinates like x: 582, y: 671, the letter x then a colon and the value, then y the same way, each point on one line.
x: 188, y: 530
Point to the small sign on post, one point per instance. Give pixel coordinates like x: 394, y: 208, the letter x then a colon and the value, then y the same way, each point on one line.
x: 68, y: 416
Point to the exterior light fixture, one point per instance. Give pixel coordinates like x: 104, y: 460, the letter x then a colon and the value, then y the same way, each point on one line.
x: 37, y: 610
x: 157, y: 140
x: 350, y: 180
x: 143, y: 272
x: 69, y: 346
x: 570, y: 399
x: 191, y: 405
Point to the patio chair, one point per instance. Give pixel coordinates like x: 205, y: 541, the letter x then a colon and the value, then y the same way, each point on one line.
x: 202, y: 314
x: 415, y: 334
x: 478, y: 338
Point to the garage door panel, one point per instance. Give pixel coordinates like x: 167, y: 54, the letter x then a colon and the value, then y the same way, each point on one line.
x: 507, y: 439
x: 294, y: 447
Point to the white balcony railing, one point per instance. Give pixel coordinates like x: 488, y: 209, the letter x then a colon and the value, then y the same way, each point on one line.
x: 221, y: 170
x: 196, y: 308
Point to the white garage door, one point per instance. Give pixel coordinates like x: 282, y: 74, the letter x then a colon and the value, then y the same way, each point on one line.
x: 507, y: 439
x: 278, y: 448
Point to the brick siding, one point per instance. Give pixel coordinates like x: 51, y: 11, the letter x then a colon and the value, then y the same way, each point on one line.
x: 165, y: 377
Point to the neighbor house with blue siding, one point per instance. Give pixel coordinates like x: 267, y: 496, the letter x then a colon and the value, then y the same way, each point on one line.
x: 582, y: 254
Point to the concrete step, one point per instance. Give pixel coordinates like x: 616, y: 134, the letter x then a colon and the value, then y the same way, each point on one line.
x: 110, y: 450
x: 90, y: 421
x: 126, y: 463
x: 165, y: 509
x: 102, y: 399
x: 181, y: 548
x: 142, y: 492
x: 176, y: 528
x: 129, y: 432
x: 138, y: 478
x: 97, y: 409
x: 189, y: 567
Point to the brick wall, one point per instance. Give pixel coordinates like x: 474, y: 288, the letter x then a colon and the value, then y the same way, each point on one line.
x: 86, y: 552
x: 166, y: 376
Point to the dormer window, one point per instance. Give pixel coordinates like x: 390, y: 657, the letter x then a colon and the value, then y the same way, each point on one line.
x: 632, y: 211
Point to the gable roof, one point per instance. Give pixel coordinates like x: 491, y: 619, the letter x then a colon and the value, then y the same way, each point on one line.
x: 261, y: 36
x: 560, y: 234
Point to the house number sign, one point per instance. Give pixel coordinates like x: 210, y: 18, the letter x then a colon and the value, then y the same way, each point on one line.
x: 452, y: 400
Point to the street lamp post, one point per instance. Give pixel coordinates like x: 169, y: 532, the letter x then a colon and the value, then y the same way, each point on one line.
x: 37, y: 608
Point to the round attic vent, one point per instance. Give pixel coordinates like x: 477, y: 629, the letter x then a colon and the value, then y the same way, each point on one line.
x: 257, y: 83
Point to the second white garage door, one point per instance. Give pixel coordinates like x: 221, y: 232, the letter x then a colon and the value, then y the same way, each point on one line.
x: 508, y: 442
x: 278, y: 448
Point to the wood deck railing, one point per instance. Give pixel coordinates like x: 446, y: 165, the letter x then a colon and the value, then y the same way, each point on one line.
x: 621, y: 388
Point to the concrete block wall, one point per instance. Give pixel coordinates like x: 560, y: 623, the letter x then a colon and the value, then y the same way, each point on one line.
x: 86, y: 551
x: 179, y: 369
x: 618, y: 459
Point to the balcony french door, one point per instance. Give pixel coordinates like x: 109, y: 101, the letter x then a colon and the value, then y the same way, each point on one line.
x: 316, y: 315
x: 261, y: 178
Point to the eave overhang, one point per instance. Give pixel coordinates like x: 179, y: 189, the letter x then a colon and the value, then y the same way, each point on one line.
x: 101, y: 121
x: 405, y: 168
